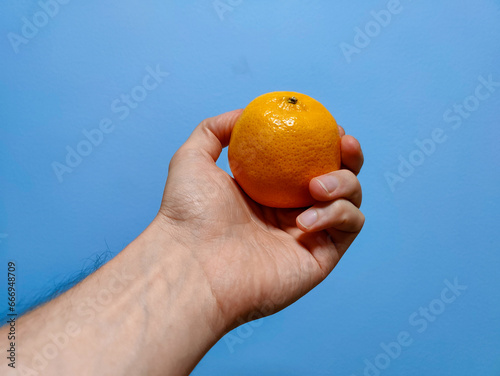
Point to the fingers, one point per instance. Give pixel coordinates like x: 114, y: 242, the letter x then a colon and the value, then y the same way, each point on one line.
x: 336, y: 184
x: 341, y: 131
x: 340, y: 215
x: 352, y: 155
x: 339, y: 195
x: 212, y: 134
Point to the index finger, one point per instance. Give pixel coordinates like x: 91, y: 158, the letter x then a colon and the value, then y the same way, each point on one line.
x: 351, y: 154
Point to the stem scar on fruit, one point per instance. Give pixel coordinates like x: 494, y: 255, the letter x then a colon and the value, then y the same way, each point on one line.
x: 292, y: 100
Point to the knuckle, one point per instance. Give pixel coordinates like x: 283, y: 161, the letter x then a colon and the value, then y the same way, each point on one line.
x: 183, y: 154
x: 356, y: 185
x: 362, y: 219
x: 347, y: 217
x: 341, y: 213
x: 347, y: 178
x: 348, y: 174
x: 343, y: 220
x: 358, y: 192
x: 352, y: 187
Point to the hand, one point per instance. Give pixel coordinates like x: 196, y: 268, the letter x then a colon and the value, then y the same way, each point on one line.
x: 256, y: 259
x: 211, y: 260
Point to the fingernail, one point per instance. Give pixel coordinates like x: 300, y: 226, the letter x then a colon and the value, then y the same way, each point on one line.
x: 329, y: 183
x: 308, y: 218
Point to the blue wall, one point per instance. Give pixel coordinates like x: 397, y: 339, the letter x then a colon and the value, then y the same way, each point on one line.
x: 395, y: 74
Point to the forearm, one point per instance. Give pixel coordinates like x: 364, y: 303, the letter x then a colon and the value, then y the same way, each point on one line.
x: 147, y: 311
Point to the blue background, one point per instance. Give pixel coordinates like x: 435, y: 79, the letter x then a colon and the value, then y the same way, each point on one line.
x: 438, y: 223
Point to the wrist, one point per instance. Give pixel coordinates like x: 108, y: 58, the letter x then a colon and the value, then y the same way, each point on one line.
x: 184, y: 317
x: 178, y: 259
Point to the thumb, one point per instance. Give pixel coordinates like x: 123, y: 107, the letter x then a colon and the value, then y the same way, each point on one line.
x: 212, y: 135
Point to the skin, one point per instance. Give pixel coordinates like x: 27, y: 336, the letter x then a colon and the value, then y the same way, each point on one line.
x: 211, y: 260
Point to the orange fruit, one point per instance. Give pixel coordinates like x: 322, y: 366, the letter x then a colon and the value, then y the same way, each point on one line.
x: 281, y: 141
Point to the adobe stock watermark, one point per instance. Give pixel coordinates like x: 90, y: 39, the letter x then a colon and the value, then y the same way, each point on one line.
x: 32, y: 25
x: 419, y: 321
x: 221, y: 7
x: 455, y: 116
x: 247, y: 325
x: 86, y: 312
x: 363, y: 36
x: 121, y: 107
